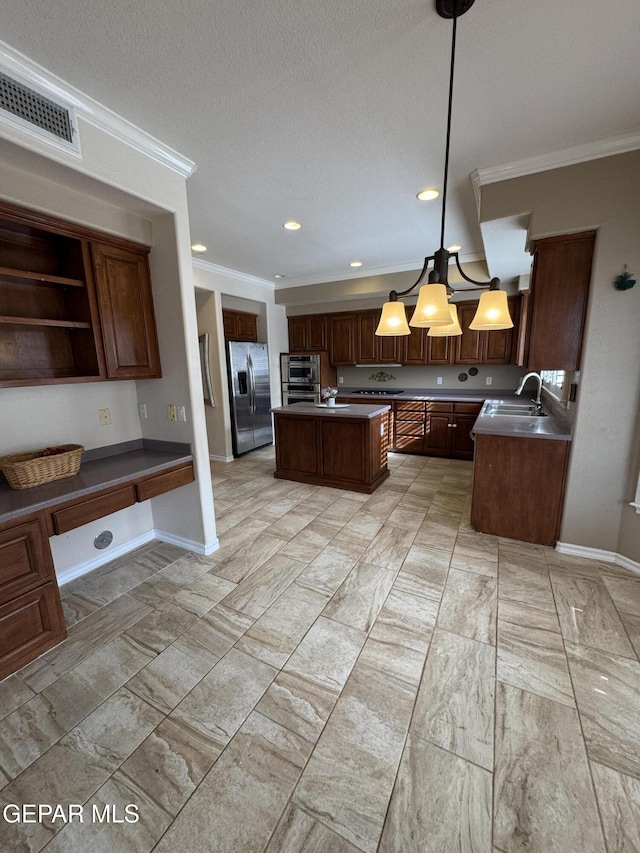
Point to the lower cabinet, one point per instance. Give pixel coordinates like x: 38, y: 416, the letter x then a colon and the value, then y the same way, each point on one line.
x: 518, y: 487
x: 31, y: 619
x: 435, y: 429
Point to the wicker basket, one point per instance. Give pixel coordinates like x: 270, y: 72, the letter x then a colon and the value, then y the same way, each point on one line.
x: 24, y: 470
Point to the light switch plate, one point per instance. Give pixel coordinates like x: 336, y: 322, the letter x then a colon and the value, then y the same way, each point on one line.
x: 182, y: 414
x: 142, y: 409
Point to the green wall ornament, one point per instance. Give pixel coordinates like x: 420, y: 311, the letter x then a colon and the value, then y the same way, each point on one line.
x: 624, y: 281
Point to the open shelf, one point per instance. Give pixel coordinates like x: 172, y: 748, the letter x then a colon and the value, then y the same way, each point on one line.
x: 41, y: 278
x: 39, y: 321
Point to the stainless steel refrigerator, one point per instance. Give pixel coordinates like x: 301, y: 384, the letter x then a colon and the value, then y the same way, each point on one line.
x: 248, y: 367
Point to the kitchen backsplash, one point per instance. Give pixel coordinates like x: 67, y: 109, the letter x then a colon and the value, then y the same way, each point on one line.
x: 503, y: 377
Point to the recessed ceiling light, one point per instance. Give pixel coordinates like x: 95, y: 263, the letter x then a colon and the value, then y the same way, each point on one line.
x: 198, y: 247
x: 278, y: 275
x: 291, y: 225
x: 355, y: 263
x: 428, y: 194
x: 454, y: 248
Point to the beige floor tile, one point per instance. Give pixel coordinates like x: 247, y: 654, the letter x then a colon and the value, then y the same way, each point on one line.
x: 406, y: 519
x: 171, y: 763
x: 475, y: 552
x: 276, y: 634
x: 298, y: 832
x: 13, y: 693
x: 543, y: 799
x: 588, y: 617
x: 307, y: 544
x: 238, y: 804
x: 526, y: 583
x: 162, y: 626
x: 454, y: 708
x: 619, y: 801
x: 332, y: 565
x: 438, y: 532
x: 248, y: 558
x: 289, y: 525
x: 83, y: 640
x: 531, y: 652
x: 360, y: 530
x: 339, y: 512
x: 169, y: 581
x: 212, y: 636
x: 424, y: 571
x: 632, y: 627
x: 607, y: 689
x: 469, y: 606
x: 381, y: 503
x: 257, y: 592
x: 168, y: 678
x: 389, y: 547
x: 359, y: 599
x: 348, y: 780
x: 625, y: 593
x: 440, y: 803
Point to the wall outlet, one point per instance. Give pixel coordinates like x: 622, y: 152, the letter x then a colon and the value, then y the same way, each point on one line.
x: 142, y: 409
x: 340, y: 380
x: 488, y: 380
x: 439, y: 380
x: 172, y: 413
x: 105, y: 416
x: 182, y: 414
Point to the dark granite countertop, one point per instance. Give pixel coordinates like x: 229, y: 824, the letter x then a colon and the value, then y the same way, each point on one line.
x: 365, y: 411
x: 455, y: 395
x: 552, y: 426
x: 100, y: 468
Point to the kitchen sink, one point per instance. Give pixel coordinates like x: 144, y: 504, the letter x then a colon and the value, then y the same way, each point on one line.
x: 514, y: 410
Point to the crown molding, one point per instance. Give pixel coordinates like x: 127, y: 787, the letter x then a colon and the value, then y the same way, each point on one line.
x: 200, y: 264
x: 370, y: 272
x: 31, y: 74
x: 555, y: 160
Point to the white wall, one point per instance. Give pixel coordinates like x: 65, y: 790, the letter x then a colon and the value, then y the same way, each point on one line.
x: 243, y: 294
x: 602, y: 194
x: 116, y: 188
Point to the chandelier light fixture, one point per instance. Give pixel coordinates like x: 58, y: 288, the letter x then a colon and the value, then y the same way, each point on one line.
x: 433, y: 310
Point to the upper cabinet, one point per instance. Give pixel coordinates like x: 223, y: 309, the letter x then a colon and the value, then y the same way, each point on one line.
x: 495, y: 347
x: 308, y: 333
x: 239, y: 325
x: 559, y: 290
x: 123, y: 286
x: 342, y: 339
x: 371, y: 349
x: 75, y: 305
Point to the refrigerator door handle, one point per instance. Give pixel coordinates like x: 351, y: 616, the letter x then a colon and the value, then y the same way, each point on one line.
x: 252, y: 385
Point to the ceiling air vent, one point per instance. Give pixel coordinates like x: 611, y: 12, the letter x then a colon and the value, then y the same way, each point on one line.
x: 40, y: 112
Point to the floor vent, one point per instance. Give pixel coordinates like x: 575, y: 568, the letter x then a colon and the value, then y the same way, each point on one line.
x: 30, y: 106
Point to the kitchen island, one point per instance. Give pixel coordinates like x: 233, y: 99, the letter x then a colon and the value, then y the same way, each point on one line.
x: 344, y: 447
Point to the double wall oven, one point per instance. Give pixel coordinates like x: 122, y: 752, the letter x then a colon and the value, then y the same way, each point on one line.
x: 300, y: 378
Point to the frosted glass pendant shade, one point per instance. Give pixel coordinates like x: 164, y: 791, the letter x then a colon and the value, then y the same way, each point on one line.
x: 492, y: 313
x: 447, y: 331
x: 432, y: 308
x: 393, y: 320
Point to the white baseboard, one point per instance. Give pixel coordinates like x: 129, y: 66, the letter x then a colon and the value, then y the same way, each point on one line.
x: 598, y: 554
x: 188, y: 544
x: 124, y: 548
x: 215, y: 458
x: 103, y: 557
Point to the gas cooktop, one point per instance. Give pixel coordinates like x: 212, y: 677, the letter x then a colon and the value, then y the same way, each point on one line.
x: 374, y: 392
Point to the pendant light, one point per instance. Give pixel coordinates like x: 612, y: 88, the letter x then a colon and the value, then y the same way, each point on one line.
x: 432, y: 310
x: 447, y: 331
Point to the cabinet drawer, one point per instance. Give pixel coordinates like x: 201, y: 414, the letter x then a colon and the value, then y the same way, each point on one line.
x: 411, y: 416
x: 86, y: 511
x: 410, y: 406
x: 440, y: 407
x: 409, y: 444
x: 25, y: 559
x: 467, y: 408
x: 165, y: 482
x: 409, y: 427
x: 29, y: 625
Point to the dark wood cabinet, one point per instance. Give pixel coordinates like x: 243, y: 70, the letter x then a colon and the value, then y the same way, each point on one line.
x: 559, y: 290
x: 31, y: 618
x: 518, y: 487
x: 76, y: 305
x: 342, y: 339
x: 495, y: 347
x: 419, y: 349
x: 308, y: 333
x: 371, y: 349
x: 435, y: 428
x: 123, y: 286
x: 239, y: 325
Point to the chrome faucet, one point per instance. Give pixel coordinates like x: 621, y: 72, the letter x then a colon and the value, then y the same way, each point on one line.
x: 539, y: 394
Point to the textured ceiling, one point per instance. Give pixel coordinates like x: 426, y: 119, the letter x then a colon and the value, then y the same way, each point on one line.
x: 333, y: 112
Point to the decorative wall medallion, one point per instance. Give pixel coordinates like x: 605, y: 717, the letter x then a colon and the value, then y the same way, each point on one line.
x: 381, y: 376
x: 462, y: 377
x: 473, y: 371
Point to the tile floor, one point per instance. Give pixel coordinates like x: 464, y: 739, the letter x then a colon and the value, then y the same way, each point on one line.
x: 347, y: 673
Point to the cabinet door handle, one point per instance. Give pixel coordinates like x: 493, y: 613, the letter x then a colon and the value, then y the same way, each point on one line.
x: 455, y: 426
